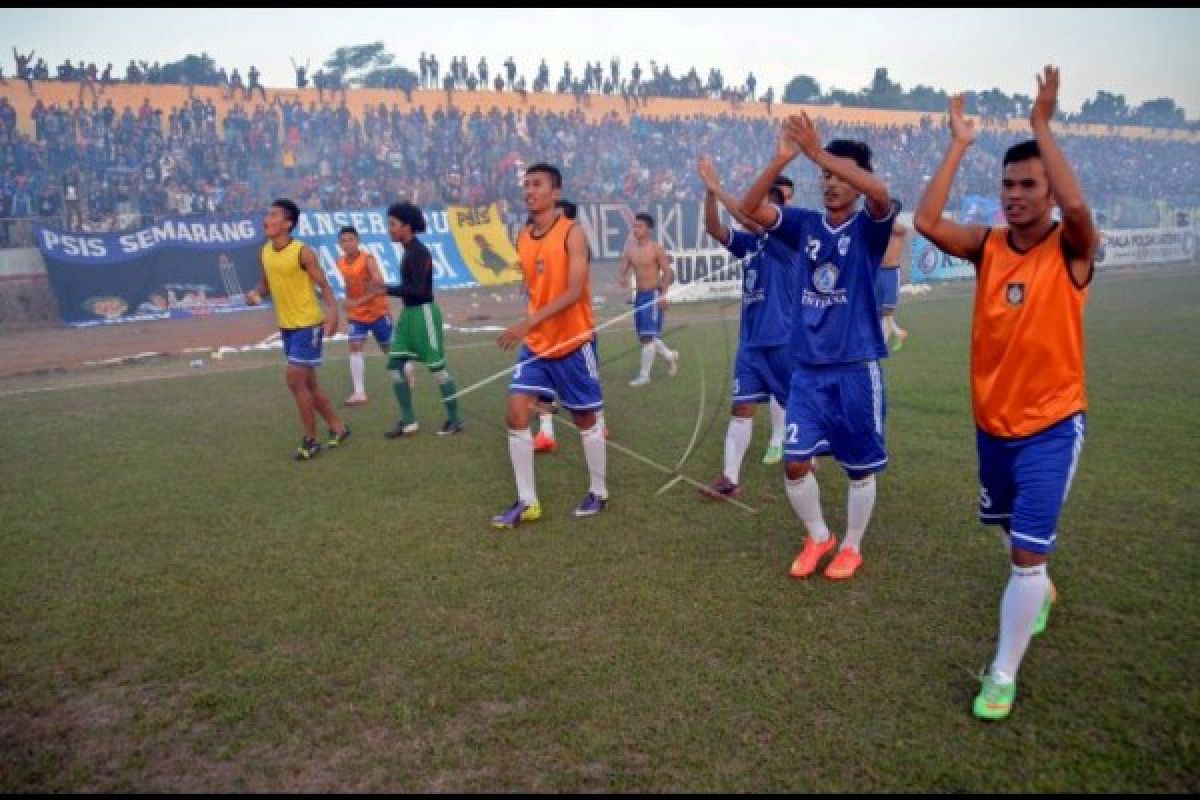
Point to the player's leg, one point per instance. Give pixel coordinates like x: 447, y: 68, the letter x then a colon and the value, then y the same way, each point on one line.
x: 805, y: 439
x: 302, y: 350
x: 529, y: 380
x: 339, y: 431
x: 747, y: 391
x: 402, y: 351
x: 859, y: 445
x: 577, y: 379
x: 431, y: 346
x: 357, y: 337
x: 545, y: 442
x: 296, y: 377
x: 1042, y: 468
x: 656, y: 322
x: 643, y: 321
x: 777, y: 366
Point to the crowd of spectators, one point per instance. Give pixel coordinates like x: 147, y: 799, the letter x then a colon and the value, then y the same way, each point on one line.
x: 95, y: 167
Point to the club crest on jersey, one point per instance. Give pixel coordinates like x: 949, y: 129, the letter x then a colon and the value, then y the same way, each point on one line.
x: 539, y: 266
x: 751, y: 278
x: 1015, y: 294
x: 825, y: 278
x: 844, y: 245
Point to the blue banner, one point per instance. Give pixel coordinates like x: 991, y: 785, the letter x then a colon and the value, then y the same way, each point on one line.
x: 977, y: 209
x: 930, y: 265
x: 319, y: 230
x: 182, y: 267
x: 192, y: 233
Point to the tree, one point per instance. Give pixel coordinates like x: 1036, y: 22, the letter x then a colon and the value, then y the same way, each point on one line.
x: 1106, y: 108
x: 802, y: 89
x: 352, y: 62
x: 883, y: 91
x: 1160, y: 112
x: 995, y: 103
x: 926, y: 98
x: 389, y: 78
x: 198, y: 70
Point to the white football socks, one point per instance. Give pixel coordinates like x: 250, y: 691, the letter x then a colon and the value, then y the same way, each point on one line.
x: 1023, y: 598
x: 860, y: 499
x: 737, y: 439
x: 805, y: 496
x: 520, y: 451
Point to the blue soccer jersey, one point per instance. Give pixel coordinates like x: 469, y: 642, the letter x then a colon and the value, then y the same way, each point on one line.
x: 836, y: 318
x: 768, y: 285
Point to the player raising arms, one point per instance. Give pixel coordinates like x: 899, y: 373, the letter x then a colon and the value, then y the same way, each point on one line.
x: 290, y: 275
x: 836, y: 401
x: 556, y: 357
x: 762, y: 369
x: 1027, y: 382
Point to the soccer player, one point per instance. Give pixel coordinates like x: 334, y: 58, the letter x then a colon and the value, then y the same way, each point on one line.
x: 545, y: 441
x: 836, y: 402
x: 762, y: 369
x: 652, y: 276
x: 887, y: 288
x: 1027, y: 377
x: 366, y: 307
x: 290, y: 275
x: 418, y: 333
x: 556, y: 358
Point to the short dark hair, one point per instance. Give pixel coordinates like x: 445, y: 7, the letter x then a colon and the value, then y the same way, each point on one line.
x: 1022, y: 151
x: 775, y: 195
x: 409, y: 214
x: 850, y: 148
x: 784, y: 180
x: 290, y: 210
x: 348, y: 229
x: 548, y: 169
x: 646, y: 218
x: 569, y: 209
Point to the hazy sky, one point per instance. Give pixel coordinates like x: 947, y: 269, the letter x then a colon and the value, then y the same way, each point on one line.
x: 1140, y: 53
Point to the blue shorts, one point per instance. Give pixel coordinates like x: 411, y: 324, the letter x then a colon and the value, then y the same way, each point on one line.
x: 381, y: 329
x: 574, y: 379
x: 760, y: 373
x: 302, y: 346
x: 887, y: 288
x: 838, y: 410
x: 647, y: 318
x: 1023, y: 482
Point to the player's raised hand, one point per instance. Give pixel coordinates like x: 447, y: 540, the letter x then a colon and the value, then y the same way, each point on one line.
x: 1047, y: 96
x: 786, y: 148
x: 803, y: 133
x: 962, y: 128
x: 709, y: 175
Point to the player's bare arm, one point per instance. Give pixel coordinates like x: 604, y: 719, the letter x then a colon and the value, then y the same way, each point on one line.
x: 1079, y: 232
x: 754, y: 203
x: 308, y: 262
x: 625, y: 268
x: 577, y: 269
x: 804, y: 133
x: 963, y: 241
x: 260, y: 292
x: 712, y: 217
x: 665, y: 274
x: 716, y: 193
